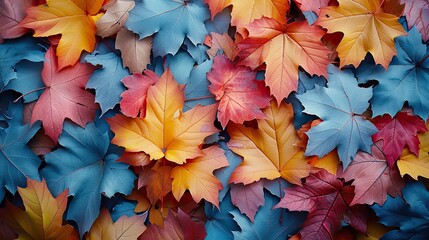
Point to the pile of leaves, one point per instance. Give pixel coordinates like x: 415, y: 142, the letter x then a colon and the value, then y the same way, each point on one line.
x: 215, y: 119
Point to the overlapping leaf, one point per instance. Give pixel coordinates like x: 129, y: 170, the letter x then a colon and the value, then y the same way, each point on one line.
x: 124, y: 228
x: 325, y: 198
x: 64, y: 96
x: 165, y: 131
x: 409, y: 214
x: 17, y: 161
x: 240, y: 96
x: 245, y: 12
x: 87, y: 166
x: 339, y: 106
x: 135, y: 52
x: 115, y: 17
x: 11, y: 13
x: 373, y: 178
x: 269, y: 152
x: 196, y: 175
x: 133, y: 101
x: 414, y: 164
x: 73, y: 19
x: 170, y: 21
x: 397, y: 133
x: 43, y: 215
x: 366, y: 27
x: 107, y: 80
x: 283, y: 48
x: 406, y: 80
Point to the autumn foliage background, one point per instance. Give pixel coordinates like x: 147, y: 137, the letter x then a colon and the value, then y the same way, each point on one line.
x: 214, y: 119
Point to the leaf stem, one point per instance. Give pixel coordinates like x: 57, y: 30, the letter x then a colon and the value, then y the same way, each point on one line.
x: 32, y: 91
x: 198, y: 98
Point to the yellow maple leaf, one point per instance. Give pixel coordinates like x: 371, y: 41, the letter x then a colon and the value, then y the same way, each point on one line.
x: 366, y: 27
x: 413, y: 165
x: 124, y: 228
x: 271, y: 151
x: 197, y: 176
x: 43, y: 215
x: 73, y: 19
x: 166, y: 131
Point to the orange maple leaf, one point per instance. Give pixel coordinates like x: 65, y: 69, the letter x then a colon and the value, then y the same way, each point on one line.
x: 366, y: 27
x: 43, y: 215
x: 271, y: 151
x: 284, y: 48
x: 197, y: 176
x: 166, y: 131
x: 245, y: 12
x: 73, y: 19
x: 124, y: 228
x: 156, y: 181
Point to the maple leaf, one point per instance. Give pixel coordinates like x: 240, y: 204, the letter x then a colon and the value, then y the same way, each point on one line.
x: 123, y: 229
x: 43, y: 215
x: 284, y: 48
x: 409, y: 213
x: 373, y: 178
x: 11, y: 13
x: 406, y: 79
x: 156, y: 181
x: 135, y: 52
x: 221, y: 42
x: 366, y: 28
x: 414, y: 164
x: 17, y: 161
x: 133, y: 101
x: 417, y: 14
x: 196, y: 175
x: 73, y: 19
x: 397, y: 133
x: 114, y: 19
x: 64, y: 96
x: 107, y: 80
x: 240, y: 95
x: 248, y: 198
x: 170, y: 21
x: 86, y: 165
x: 245, y: 12
x: 339, y: 106
x: 269, y: 152
x: 325, y: 198
x: 165, y: 131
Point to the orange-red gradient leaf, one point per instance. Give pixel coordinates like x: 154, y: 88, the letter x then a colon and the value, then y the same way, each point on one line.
x: 73, y: 19
x: 240, y: 96
x: 283, y: 48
